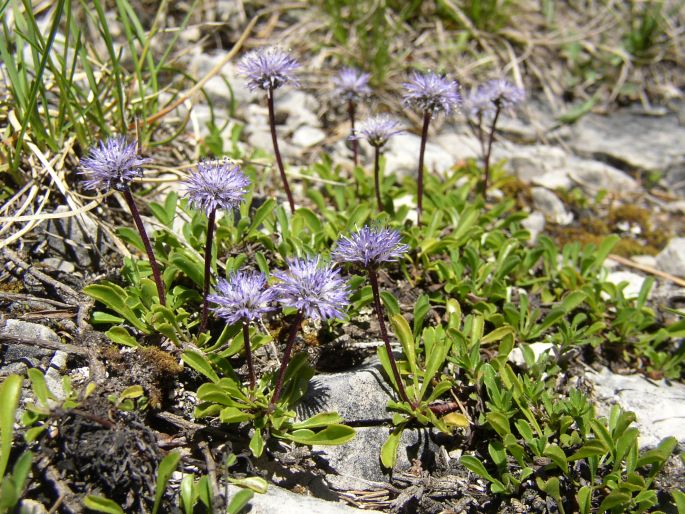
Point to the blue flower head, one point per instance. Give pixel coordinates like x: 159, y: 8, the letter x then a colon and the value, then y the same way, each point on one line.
x: 243, y: 297
x: 312, y: 287
x: 268, y: 68
x: 378, y: 129
x: 429, y: 92
x: 216, y: 184
x: 486, y: 98
x: 370, y: 246
x: 112, y: 165
x: 352, y: 84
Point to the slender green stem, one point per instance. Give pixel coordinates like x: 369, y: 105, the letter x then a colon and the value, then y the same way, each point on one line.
x: 146, y: 243
x: 248, y: 355
x: 422, y: 151
x: 376, y: 174
x: 211, y: 219
x: 277, y: 152
x: 373, y: 278
x: 491, y: 138
x: 286, y: 358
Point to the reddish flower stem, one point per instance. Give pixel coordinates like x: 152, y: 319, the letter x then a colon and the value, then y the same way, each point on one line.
x: 248, y: 355
x: 146, y: 243
x: 422, y: 151
x: 286, y: 358
x: 351, y: 109
x: 376, y: 173
x: 486, y: 158
x: 373, y: 278
x: 277, y: 152
x: 208, y: 269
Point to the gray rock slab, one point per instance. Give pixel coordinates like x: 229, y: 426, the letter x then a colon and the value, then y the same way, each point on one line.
x: 359, y: 396
x: 281, y: 501
x: 672, y: 258
x: 459, y: 146
x: 550, y: 205
x: 658, y: 405
x: 306, y: 136
x: 30, y: 332
x: 72, y: 238
x: 633, y: 282
x: 402, y: 156
x: 360, y: 458
x: 636, y: 140
x: 594, y: 176
x: 534, y: 223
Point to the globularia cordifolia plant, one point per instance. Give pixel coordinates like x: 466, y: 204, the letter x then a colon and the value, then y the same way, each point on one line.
x: 351, y: 86
x: 483, y: 107
x: 215, y: 185
x: 430, y: 94
x: 317, y: 291
x: 369, y: 248
x: 243, y: 298
x: 269, y: 68
x: 377, y: 130
x: 113, y: 165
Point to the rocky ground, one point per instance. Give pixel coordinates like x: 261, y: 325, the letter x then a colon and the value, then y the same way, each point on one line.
x: 620, y: 171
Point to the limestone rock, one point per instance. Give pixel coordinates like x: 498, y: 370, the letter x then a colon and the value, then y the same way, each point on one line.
x: 672, y: 258
x: 402, y: 156
x: 550, y: 205
x: 659, y: 407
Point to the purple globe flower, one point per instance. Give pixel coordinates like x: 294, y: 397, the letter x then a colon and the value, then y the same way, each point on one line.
x: 314, y: 288
x: 429, y: 92
x: 268, y: 68
x: 486, y: 98
x: 244, y: 296
x: 112, y: 165
x: 216, y: 184
x: 504, y: 93
x: 378, y: 129
x: 370, y: 246
x: 352, y: 84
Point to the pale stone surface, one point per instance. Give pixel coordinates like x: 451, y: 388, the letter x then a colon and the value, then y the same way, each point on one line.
x: 459, y: 146
x: 634, y: 282
x: 516, y: 355
x: 658, y: 405
x: 402, y: 156
x: 281, y: 501
x: 534, y: 223
x: 594, y: 176
x: 550, y: 205
x: 306, y: 136
x: 672, y: 258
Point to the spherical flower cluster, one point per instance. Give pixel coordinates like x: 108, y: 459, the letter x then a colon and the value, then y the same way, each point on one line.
x: 312, y: 287
x: 370, y: 247
x: 429, y: 92
x: 378, y: 129
x: 243, y: 297
x: 216, y: 184
x: 486, y: 98
x: 352, y: 84
x: 112, y: 165
x: 268, y: 68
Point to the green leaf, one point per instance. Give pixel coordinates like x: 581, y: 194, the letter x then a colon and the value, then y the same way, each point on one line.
x: 101, y: 504
x: 679, y: 500
x: 331, y: 435
x: 257, y: 443
x: 584, y: 499
x: 132, y: 392
x: 321, y: 419
x: 385, y: 363
x: 166, y: 468
x: 614, y: 499
x: 499, y: 422
x: 421, y: 308
x: 591, y: 448
x: 476, y: 466
x: 239, y: 501
x: 39, y: 386
x: 497, y: 334
x: 256, y: 484
x: 114, y: 297
x: 187, y: 493
x: 200, y: 364
x: 188, y: 264
x: 262, y: 212
x: 554, y: 452
x: 120, y: 335
x: 404, y: 334
x: 9, y: 398
x: 234, y: 415
x: 390, y: 303
x: 389, y: 448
